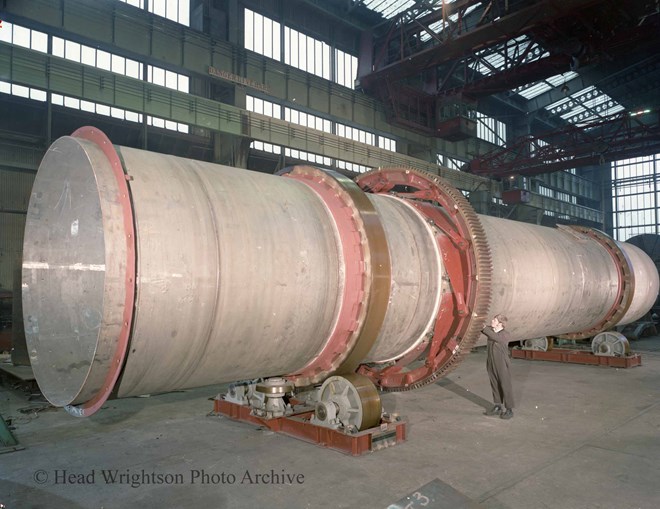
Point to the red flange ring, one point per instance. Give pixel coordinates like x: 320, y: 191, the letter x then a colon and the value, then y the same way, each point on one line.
x: 625, y: 290
x: 367, y: 275
x: 123, y: 197
x: 467, y: 261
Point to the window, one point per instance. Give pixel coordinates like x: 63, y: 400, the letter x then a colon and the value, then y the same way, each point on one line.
x: 353, y: 133
x: 175, y: 10
x: 262, y: 35
x: 387, y: 143
x: 21, y: 36
x: 449, y: 162
x: 96, y: 58
x: 269, y: 109
x: 308, y: 120
x: 175, y: 81
x: 313, y: 122
x: 635, y: 196
x: 99, y: 109
x: 31, y: 39
x: 125, y: 67
x: 306, y: 53
x: 491, y: 130
x: 345, y: 68
x: 357, y: 168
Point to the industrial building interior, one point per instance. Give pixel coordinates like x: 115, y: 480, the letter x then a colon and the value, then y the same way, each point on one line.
x: 251, y: 205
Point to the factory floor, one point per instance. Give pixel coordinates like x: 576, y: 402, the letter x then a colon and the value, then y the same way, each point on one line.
x: 581, y: 437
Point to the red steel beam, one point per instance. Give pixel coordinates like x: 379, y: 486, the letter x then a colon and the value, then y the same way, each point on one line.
x: 505, y: 28
x: 594, y: 143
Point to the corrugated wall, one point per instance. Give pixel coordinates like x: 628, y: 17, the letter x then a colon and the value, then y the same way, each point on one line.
x: 15, y: 187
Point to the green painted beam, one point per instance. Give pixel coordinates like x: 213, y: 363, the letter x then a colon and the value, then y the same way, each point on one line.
x: 46, y: 72
x: 122, y: 29
x: 125, y: 30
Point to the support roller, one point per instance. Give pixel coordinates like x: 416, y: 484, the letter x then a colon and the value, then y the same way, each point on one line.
x: 146, y: 273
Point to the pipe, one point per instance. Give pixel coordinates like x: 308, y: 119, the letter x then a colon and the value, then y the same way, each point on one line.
x: 147, y: 273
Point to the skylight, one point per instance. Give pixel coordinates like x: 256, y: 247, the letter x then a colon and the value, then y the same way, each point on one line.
x: 388, y: 8
x: 533, y: 90
x: 438, y: 26
x: 584, y: 106
x: 491, y: 61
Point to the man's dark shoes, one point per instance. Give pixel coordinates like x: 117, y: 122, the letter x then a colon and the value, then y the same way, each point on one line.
x: 496, y: 410
x: 506, y: 415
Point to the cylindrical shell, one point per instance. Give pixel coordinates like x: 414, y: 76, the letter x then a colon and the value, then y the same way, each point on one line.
x: 547, y: 281
x: 646, y: 282
x: 416, y: 279
x: 232, y: 274
x: 238, y: 274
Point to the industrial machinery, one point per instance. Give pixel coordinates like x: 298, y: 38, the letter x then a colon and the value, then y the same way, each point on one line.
x: 344, y: 413
x: 146, y: 273
x: 609, y: 348
x: 648, y: 324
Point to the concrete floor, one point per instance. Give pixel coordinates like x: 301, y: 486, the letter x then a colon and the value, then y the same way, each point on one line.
x: 581, y: 437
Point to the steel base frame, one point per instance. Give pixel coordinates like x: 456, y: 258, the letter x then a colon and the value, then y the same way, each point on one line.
x: 578, y: 357
x: 299, y: 426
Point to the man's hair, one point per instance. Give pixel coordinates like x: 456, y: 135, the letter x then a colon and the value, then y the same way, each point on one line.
x: 502, y: 319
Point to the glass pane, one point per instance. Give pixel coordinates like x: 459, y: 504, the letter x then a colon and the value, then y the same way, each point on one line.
x: 39, y: 41
x: 132, y: 116
x: 171, y: 80
x: 37, y: 95
x: 258, y: 33
x: 118, y: 64
x: 248, y: 36
x: 6, y: 32
x: 158, y: 7
x: 70, y: 102
x: 21, y: 36
x: 88, y: 56
x: 184, y: 83
x: 277, y: 49
x: 102, y: 109
x: 184, y: 14
x: 72, y: 51
x: 103, y: 60
x: 133, y: 69
x: 58, y: 46
x: 268, y: 37
x: 87, y: 106
x: 158, y: 76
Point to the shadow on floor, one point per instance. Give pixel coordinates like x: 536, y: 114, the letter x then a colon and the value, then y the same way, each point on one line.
x: 461, y: 391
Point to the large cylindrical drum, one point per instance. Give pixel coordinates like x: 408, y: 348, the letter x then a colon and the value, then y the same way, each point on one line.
x: 147, y: 273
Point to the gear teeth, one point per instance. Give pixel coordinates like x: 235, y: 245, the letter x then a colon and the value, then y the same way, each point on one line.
x: 484, y: 272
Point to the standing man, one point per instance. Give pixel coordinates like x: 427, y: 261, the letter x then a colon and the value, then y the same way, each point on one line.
x: 498, y: 366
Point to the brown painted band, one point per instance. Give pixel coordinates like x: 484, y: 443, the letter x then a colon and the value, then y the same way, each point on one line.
x: 367, y: 275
